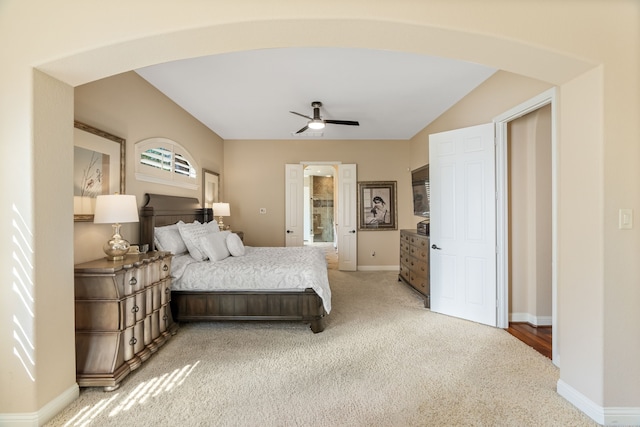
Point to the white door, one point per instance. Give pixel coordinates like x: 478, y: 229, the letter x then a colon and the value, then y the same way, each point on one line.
x: 347, y: 218
x: 463, y: 223
x: 294, y: 205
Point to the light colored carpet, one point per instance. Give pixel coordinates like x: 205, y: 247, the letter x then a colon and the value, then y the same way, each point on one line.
x: 383, y: 360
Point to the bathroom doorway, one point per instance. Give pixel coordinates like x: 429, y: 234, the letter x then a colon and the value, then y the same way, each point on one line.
x: 319, y: 205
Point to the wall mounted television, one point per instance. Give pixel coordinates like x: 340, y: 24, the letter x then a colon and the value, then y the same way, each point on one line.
x: 421, y: 192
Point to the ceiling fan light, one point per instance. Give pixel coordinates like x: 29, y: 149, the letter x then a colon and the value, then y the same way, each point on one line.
x: 316, y: 124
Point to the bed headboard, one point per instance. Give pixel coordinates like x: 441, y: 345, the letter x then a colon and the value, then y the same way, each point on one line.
x: 160, y: 210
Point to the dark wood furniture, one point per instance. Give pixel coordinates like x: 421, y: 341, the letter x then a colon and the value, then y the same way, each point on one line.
x: 304, y: 305
x: 122, y: 316
x: 414, y: 262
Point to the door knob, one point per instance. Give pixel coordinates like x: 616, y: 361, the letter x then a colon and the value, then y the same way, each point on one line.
x: 435, y: 247
x: 352, y: 231
x: 289, y: 231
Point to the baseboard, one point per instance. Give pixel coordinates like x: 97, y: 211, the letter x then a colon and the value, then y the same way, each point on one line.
x: 379, y: 268
x: 610, y: 416
x: 531, y: 319
x: 45, y: 413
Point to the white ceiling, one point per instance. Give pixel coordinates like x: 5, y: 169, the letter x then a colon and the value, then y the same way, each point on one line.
x: 248, y: 95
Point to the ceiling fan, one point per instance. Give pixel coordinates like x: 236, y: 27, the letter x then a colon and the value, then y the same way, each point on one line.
x: 316, y: 122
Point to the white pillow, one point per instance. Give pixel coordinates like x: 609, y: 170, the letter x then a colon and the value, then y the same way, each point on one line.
x: 214, y: 245
x: 191, y: 234
x: 235, y: 245
x: 168, y: 238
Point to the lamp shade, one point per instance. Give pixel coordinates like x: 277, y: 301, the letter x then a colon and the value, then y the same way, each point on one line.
x: 221, y: 209
x: 116, y: 208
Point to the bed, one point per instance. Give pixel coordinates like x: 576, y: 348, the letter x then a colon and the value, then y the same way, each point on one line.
x: 264, y: 284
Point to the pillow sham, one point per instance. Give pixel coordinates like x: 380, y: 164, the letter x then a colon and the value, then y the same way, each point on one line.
x: 235, y: 245
x: 214, y: 246
x: 191, y: 234
x: 168, y: 238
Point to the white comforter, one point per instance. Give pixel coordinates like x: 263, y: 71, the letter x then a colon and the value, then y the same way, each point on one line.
x: 261, y: 268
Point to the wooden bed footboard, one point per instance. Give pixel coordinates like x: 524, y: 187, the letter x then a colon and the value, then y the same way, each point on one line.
x: 305, y: 306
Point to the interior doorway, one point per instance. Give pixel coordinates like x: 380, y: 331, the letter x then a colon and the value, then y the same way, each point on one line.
x: 504, y: 234
x: 319, y: 204
x: 320, y: 195
x: 529, y: 154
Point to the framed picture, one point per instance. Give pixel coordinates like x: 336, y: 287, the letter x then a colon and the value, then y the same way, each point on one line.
x: 98, y: 168
x: 210, y: 188
x: 377, y: 205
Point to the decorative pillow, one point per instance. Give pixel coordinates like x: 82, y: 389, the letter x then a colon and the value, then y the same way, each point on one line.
x: 235, y: 245
x: 214, y: 245
x: 191, y: 234
x: 168, y: 238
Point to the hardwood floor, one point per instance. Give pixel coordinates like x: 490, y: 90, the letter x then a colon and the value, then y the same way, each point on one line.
x: 537, y: 337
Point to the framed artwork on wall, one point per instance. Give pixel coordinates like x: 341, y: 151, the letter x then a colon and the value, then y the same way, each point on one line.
x: 210, y: 188
x: 377, y: 205
x: 98, y: 168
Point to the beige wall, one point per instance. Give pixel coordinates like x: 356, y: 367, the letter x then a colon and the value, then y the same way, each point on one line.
x: 499, y: 93
x: 50, y: 361
x: 590, y: 50
x: 252, y: 172
x: 530, y: 234
x: 254, y: 179
x: 127, y: 106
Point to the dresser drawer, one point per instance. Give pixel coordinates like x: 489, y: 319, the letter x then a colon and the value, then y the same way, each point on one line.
x: 405, y: 272
x: 419, y: 253
x: 133, y: 340
x: 414, y: 262
x: 99, y: 315
x: 420, y: 283
x: 165, y: 267
x: 97, y: 352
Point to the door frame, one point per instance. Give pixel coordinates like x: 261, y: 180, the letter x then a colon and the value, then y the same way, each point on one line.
x: 502, y: 204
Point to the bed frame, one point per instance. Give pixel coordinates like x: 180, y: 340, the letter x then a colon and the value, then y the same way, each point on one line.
x: 186, y: 306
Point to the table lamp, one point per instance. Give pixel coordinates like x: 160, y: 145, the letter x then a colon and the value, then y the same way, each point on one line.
x: 221, y: 209
x: 116, y: 209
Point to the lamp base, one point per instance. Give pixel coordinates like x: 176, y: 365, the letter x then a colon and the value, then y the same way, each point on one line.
x: 116, y: 248
x: 220, y: 223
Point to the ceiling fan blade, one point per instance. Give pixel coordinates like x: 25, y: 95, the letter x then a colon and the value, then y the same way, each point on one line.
x: 303, y: 129
x: 343, y: 122
x: 301, y: 115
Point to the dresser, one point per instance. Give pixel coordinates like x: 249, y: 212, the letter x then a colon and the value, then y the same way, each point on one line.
x: 414, y: 262
x: 122, y: 316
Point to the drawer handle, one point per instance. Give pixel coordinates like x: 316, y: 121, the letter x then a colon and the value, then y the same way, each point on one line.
x: 165, y: 267
x: 165, y: 317
x: 167, y: 290
x: 135, y: 309
x: 133, y: 281
x: 133, y: 341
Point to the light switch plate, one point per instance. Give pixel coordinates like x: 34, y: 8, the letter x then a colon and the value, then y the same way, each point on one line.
x: 625, y: 219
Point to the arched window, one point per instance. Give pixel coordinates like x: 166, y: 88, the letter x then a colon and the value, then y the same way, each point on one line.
x: 164, y: 161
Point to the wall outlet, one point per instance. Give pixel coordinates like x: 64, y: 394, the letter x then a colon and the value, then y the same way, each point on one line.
x: 263, y: 210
